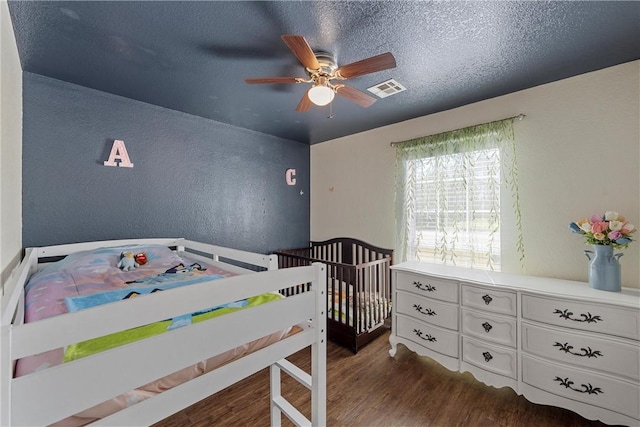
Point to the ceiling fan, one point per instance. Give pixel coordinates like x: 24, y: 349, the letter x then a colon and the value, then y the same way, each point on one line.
x: 322, y: 70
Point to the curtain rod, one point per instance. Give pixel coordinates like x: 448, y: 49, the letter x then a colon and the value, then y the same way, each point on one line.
x: 518, y: 118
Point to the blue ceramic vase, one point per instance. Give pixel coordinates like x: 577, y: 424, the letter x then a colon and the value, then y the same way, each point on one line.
x: 604, y: 268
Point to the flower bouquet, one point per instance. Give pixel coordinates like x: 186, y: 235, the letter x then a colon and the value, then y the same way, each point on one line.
x: 611, y: 229
x: 605, y: 233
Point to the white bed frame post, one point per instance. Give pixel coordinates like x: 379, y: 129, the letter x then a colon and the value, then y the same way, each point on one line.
x: 317, y: 381
x: 11, y: 312
x: 319, y: 353
x: 5, y: 375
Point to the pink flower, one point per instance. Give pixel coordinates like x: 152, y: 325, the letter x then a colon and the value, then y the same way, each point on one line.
x: 596, y: 218
x: 599, y: 227
x: 614, y: 235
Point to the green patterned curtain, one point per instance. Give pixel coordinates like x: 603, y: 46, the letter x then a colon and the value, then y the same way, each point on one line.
x: 448, y: 195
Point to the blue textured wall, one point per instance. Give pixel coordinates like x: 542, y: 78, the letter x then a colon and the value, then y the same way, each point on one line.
x: 192, y: 177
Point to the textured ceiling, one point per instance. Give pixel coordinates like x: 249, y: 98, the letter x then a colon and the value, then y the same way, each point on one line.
x: 193, y: 56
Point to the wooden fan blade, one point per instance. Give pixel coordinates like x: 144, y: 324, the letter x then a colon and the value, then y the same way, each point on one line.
x: 272, y: 80
x: 305, y: 103
x: 356, y: 96
x: 302, y: 50
x: 380, y: 62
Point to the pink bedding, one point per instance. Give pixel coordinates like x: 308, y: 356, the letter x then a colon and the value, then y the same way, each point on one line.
x: 95, y: 271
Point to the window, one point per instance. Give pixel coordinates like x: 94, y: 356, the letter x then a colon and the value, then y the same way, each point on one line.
x: 448, y: 196
x: 457, y: 209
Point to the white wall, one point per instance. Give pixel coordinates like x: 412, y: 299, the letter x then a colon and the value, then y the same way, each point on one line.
x: 578, y: 153
x: 10, y: 146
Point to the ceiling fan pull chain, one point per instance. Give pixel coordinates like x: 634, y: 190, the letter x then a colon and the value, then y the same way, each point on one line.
x: 330, y: 116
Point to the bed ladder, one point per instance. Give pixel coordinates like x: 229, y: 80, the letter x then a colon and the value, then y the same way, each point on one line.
x: 279, y: 404
x: 316, y: 383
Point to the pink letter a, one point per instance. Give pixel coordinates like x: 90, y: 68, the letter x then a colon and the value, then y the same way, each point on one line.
x: 119, y: 152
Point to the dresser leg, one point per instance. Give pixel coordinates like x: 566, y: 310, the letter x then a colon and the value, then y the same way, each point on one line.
x: 394, y: 345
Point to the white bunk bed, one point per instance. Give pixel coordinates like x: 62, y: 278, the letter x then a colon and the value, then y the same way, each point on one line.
x: 47, y: 396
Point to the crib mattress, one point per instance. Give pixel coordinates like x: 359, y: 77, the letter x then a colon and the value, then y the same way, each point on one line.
x: 372, y: 309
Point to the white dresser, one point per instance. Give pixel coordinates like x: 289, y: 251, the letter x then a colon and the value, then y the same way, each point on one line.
x: 556, y: 342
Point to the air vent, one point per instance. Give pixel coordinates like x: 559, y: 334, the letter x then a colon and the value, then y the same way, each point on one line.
x: 387, y: 88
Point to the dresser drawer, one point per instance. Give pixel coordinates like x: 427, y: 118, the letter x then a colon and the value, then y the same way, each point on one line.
x: 495, y: 301
x: 490, y: 358
x: 497, y: 329
x: 428, y: 336
x: 583, y: 386
x: 444, y: 290
x: 591, y: 317
x: 574, y: 348
x: 435, y: 312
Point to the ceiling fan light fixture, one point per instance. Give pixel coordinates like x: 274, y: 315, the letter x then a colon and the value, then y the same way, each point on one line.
x: 321, y: 95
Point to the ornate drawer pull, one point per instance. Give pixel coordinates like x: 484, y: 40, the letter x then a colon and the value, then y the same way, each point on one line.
x: 426, y: 337
x: 487, y: 299
x: 589, y: 318
x: 586, y: 352
x: 487, y: 326
x: 487, y: 356
x: 426, y: 311
x: 426, y: 287
x: 587, y: 388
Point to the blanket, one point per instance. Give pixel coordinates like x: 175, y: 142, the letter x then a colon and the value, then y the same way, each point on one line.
x: 89, y: 347
x: 146, y: 285
x: 174, y: 277
x: 61, y: 286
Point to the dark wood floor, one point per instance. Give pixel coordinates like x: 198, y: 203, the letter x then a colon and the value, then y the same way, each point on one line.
x: 372, y: 389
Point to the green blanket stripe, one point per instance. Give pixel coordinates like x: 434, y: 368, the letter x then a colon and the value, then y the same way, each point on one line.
x: 96, y: 345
